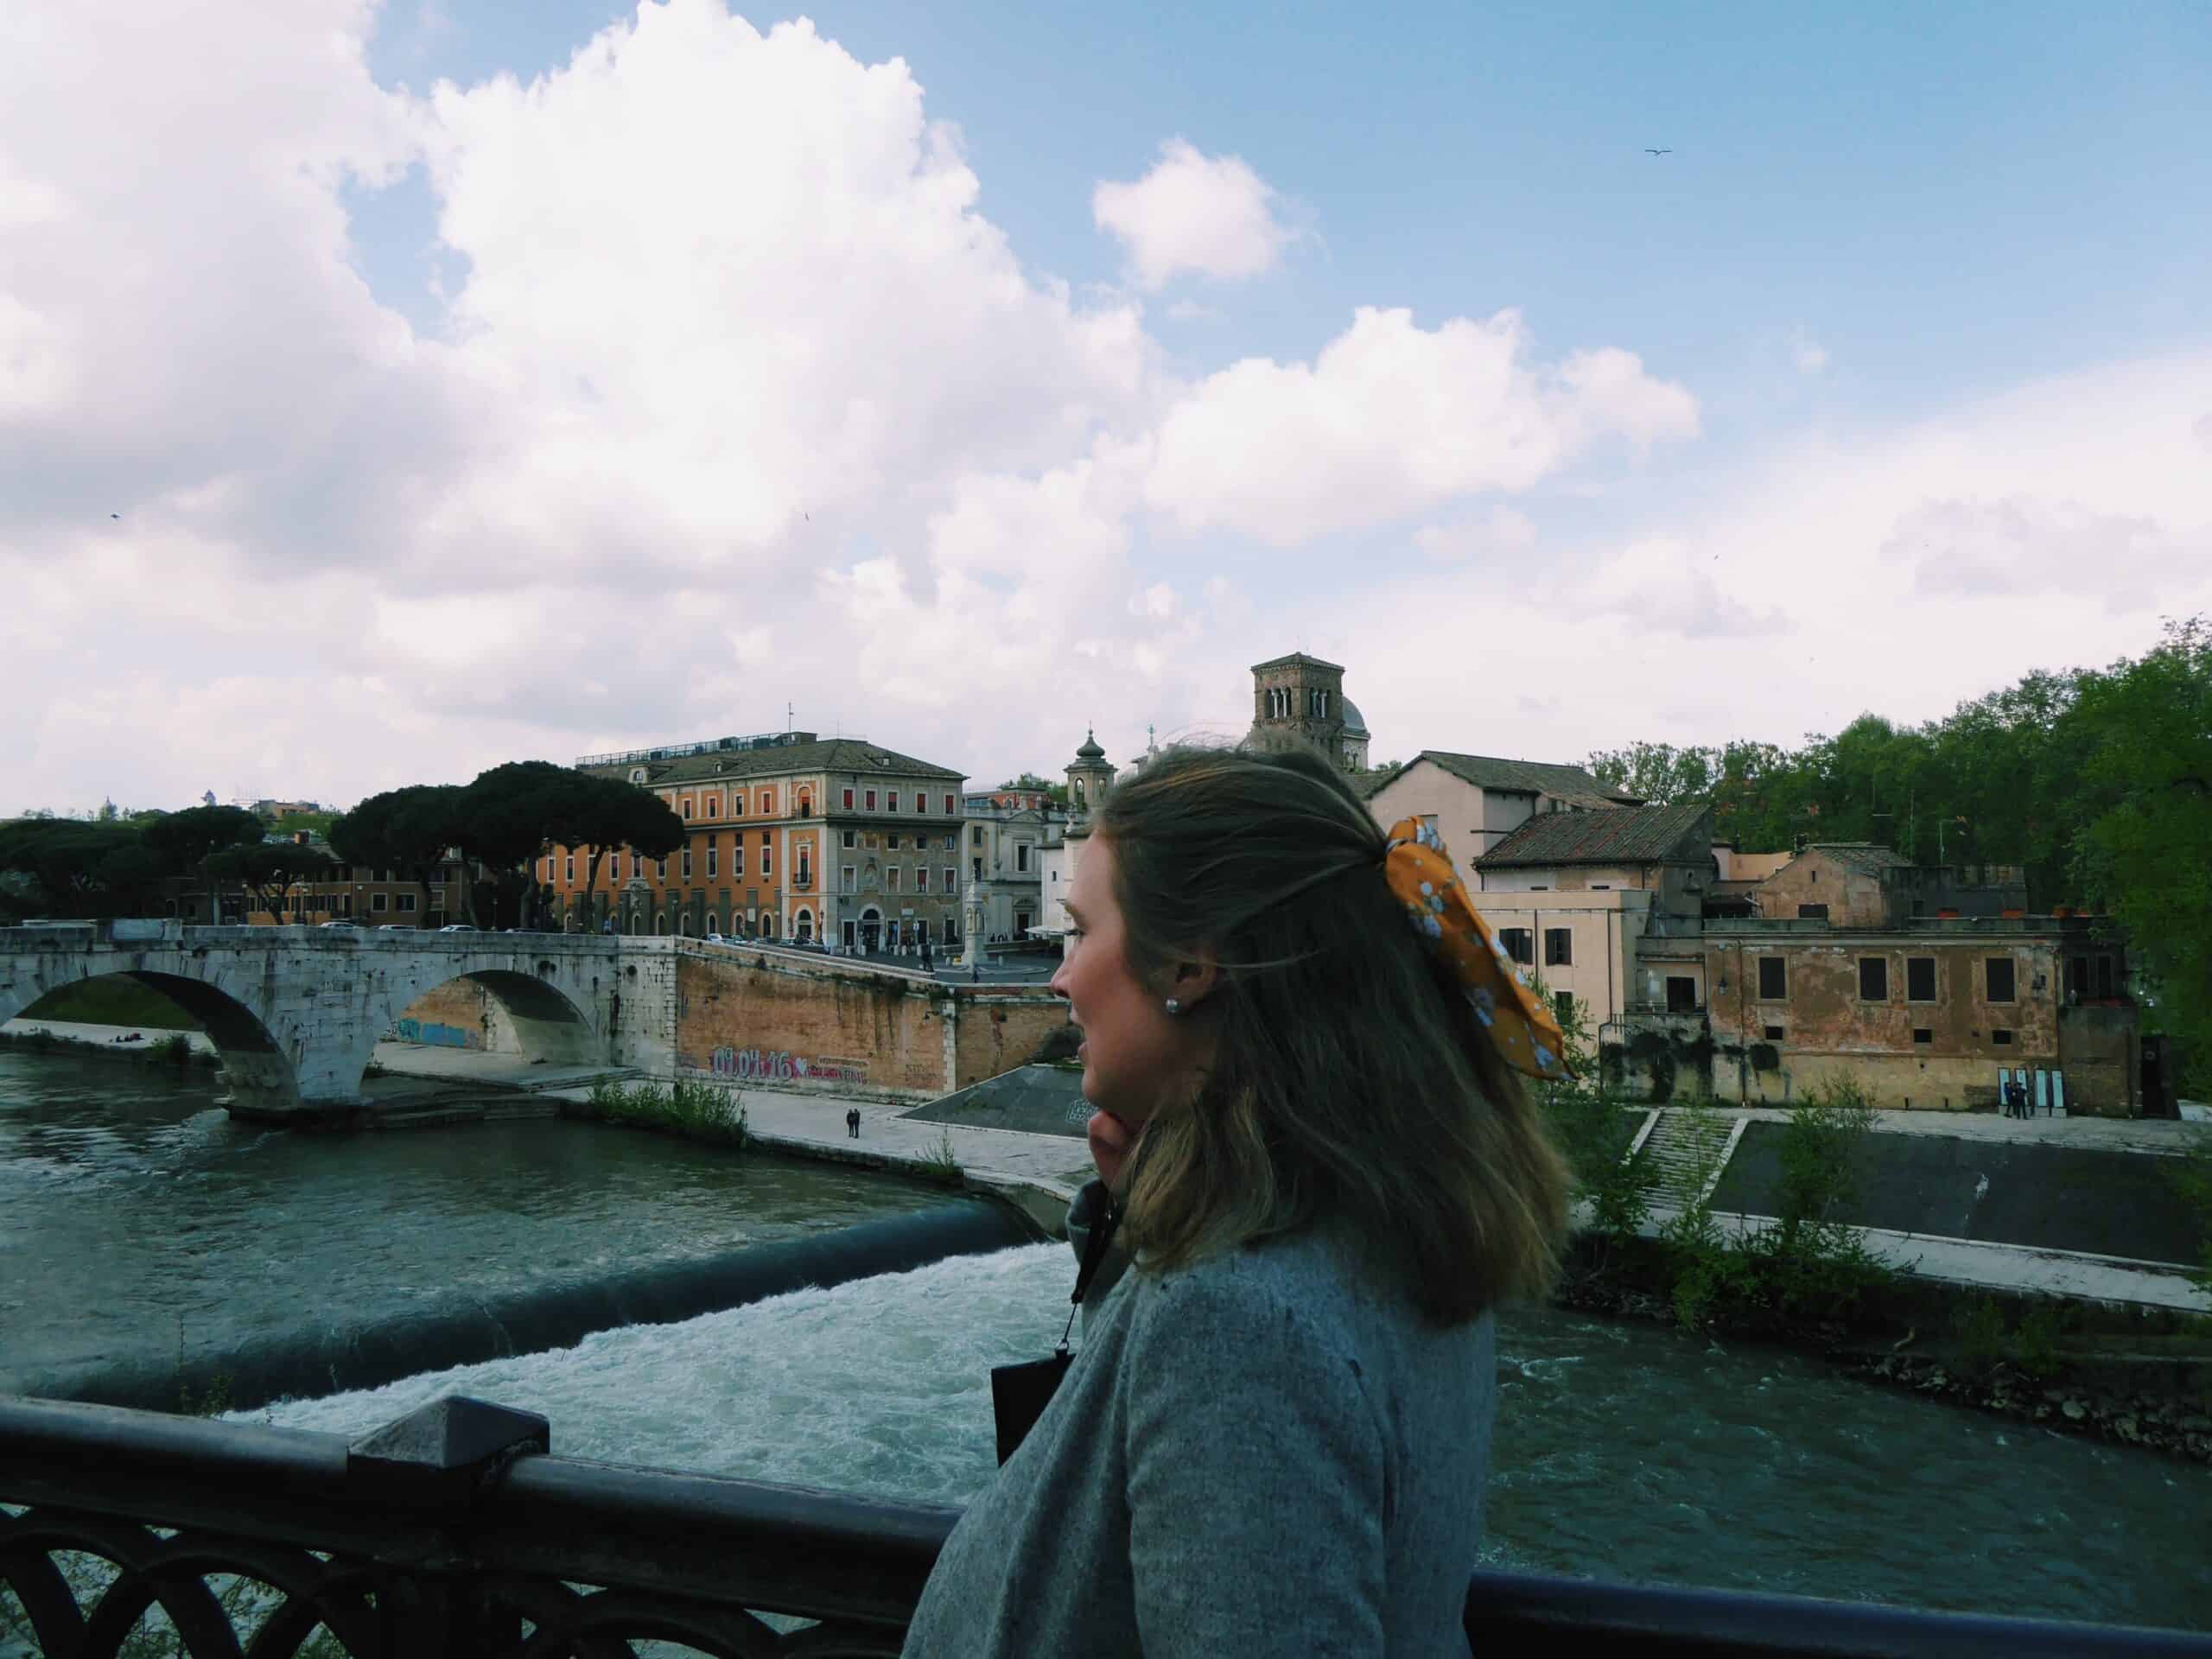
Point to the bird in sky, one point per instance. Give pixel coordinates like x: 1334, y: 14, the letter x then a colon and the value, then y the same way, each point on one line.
x: 115, y: 515
x: 1649, y: 151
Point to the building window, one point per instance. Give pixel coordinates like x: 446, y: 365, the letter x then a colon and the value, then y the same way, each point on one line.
x: 1559, y: 947
x: 767, y: 857
x: 768, y: 803
x: 850, y: 838
x: 1021, y: 855
x: 1773, y: 1034
x: 871, y: 800
x: 976, y: 865
x: 2104, y: 976
x: 1873, y: 979
x: 660, y: 869
x: 921, y: 801
x: 891, y: 844
x: 1922, y: 1034
x: 848, y: 874
x: 949, y: 808
x: 1681, y: 993
x: 686, y: 863
x: 1520, y: 946
x: 569, y: 869
x: 849, y: 800
x: 377, y: 902
x: 1774, y: 979
x: 714, y: 806
x: 407, y: 904
x: 951, y: 841
x: 1812, y: 912
x: 713, y: 854
x: 1563, y: 1008
x: 921, y: 878
x: 737, y: 860
x: 1920, y: 979
x: 2002, y: 1039
x: 975, y: 835
x: 891, y: 878
x: 687, y: 806
x: 890, y: 803
x: 2077, y: 976
x: 806, y: 865
x: 951, y: 878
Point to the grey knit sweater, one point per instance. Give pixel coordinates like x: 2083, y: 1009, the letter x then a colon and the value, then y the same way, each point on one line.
x: 1264, y: 1454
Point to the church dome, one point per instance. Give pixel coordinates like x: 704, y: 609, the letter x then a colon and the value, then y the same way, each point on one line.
x: 1091, y: 751
x: 1355, y: 723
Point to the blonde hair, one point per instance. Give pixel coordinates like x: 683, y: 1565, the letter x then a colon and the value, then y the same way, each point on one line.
x: 1352, y: 1078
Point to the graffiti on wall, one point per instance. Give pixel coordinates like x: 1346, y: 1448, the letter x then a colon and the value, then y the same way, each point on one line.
x: 780, y: 1065
x: 430, y: 1033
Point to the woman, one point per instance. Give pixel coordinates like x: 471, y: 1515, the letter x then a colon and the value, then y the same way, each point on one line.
x: 1275, y: 1437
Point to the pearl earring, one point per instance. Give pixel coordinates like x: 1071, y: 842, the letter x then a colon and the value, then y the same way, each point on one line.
x: 1173, y: 1006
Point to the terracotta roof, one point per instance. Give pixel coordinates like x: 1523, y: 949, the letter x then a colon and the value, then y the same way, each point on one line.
x: 1864, y: 856
x: 826, y: 755
x: 1574, y: 785
x: 1632, y: 835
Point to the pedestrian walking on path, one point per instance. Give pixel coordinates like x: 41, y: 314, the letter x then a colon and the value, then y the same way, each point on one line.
x: 853, y: 1123
x: 1322, y: 1173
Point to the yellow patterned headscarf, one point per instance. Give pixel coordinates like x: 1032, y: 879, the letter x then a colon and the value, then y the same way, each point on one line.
x: 1420, y: 873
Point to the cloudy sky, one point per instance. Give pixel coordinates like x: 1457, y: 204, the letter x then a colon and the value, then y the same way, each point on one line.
x: 389, y: 391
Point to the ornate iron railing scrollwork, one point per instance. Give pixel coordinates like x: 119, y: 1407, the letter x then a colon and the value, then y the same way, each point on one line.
x: 455, y: 1532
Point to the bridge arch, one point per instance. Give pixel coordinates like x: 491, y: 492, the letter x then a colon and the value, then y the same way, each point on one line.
x: 522, y: 1014
x: 255, y: 1066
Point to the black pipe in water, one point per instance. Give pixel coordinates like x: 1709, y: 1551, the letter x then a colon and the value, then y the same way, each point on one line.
x: 544, y: 1316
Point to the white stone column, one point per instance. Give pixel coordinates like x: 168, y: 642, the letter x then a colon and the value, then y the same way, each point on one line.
x: 972, y: 926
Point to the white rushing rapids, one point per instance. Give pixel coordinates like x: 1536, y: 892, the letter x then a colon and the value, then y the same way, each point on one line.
x: 880, y: 1387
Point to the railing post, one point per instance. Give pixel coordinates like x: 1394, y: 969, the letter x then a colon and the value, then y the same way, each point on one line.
x: 435, y: 1463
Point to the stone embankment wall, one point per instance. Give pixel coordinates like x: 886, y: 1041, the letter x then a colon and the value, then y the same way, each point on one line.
x: 812, y: 1025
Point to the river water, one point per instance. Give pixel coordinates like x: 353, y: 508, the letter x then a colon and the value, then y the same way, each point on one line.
x: 137, y: 1219
x: 1622, y: 1451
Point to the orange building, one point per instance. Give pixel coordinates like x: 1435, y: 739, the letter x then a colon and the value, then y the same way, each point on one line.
x: 791, y: 836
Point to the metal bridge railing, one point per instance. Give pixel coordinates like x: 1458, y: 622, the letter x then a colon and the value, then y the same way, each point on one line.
x: 454, y: 1532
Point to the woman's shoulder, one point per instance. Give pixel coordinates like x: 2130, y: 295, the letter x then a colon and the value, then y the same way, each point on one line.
x: 1315, y: 1285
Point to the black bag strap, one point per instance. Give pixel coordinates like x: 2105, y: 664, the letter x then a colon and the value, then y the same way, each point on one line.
x: 1093, y: 1252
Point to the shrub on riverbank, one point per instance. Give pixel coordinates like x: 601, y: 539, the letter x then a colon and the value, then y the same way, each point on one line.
x: 939, y: 1163
x: 1807, y: 1268
x: 699, y: 1110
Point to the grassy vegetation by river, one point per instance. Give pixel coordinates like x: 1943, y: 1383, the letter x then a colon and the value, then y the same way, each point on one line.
x: 111, y: 1000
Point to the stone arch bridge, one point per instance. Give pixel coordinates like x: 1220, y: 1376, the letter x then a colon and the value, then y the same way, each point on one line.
x: 296, y: 1012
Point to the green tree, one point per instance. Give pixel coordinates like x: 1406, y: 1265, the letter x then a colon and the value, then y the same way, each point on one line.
x: 63, y: 864
x: 2145, y: 853
x: 410, y: 830
x: 130, y: 874
x: 603, y: 815
x: 1030, y: 780
x: 508, y: 816
x: 189, y: 839
x: 1658, y: 773
x: 270, y: 868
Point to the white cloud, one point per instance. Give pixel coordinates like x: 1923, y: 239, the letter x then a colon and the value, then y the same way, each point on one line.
x: 1503, y: 533
x: 1808, y: 354
x: 1796, y: 595
x: 1210, y: 216
x: 1391, y: 419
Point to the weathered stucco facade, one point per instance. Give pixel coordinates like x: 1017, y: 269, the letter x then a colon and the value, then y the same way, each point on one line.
x: 1924, y: 1019
x: 767, y: 1019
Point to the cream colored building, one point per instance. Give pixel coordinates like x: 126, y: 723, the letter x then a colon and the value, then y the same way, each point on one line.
x: 1475, y: 801
x: 1605, y: 906
x: 1003, y: 854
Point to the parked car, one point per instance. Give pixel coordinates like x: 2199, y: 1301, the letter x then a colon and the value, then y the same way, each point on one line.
x: 343, y: 922
x: 461, y: 927
x: 395, y: 927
